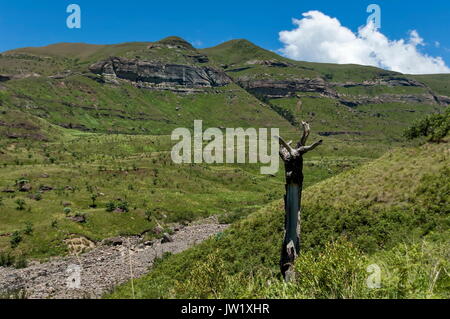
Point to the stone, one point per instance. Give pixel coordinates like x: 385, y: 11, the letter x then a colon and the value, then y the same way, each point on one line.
x: 148, y: 243
x: 158, y: 230
x: 115, y: 241
x: 166, y: 238
x: 78, y: 219
x: 25, y: 187
x: 45, y: 188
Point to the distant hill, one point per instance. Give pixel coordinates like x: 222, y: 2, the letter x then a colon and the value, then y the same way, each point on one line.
x: 153, y: 87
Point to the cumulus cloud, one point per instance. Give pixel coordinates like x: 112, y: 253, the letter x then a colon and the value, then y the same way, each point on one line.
x: 320, y: 38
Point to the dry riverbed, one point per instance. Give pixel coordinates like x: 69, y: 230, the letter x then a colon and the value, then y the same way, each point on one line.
x: 103, y: 267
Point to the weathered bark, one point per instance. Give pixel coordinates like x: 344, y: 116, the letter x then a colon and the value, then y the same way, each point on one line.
x: 293, y: 164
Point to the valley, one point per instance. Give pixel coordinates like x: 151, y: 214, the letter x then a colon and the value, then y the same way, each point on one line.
x: 85, y: 153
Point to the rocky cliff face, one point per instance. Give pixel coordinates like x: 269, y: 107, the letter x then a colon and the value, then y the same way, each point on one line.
x: 193, y: 78
x: 272, y: 89
x: 153, y: 74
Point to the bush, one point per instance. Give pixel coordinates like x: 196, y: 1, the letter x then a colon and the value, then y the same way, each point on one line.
x: 16, y: 238
x: 20, y: 204
x: 205, y: 281
x: 21, y: 262
x: 110, y: 206
x: 28, y: 228
x: 434, y: 127
x: 336, y: 272
x: 6, y: 259
x: 123, y: 206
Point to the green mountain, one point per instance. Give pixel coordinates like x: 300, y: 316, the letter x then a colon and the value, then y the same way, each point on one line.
x: 351, y: 102
x: 85, y: 129
x: 61, y: 84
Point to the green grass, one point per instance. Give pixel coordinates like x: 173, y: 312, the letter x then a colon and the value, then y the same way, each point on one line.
x: 86, y: 139
x: 437, y: 82
x: 81, y: 103
x: 392, y: 212
x: 135, y: 168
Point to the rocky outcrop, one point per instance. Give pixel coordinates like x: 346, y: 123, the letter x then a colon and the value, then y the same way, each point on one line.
x: 386, y: 81
x: 389, y: 98
x: 154, y: 74
x: 272, y: 89
x: 4, y: 78
x: 443, y: 100
x: 8, y: 77
x: 273, y: 63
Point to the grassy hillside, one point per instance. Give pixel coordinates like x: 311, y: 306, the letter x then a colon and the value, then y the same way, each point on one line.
x: 355, y: 104
x: 69, y: 173
x: 238, y: 54
x: 82, y: 103
x: 54, y: 83
x: 74, y: 145
x: 437, y: 82
x: 392, y: 212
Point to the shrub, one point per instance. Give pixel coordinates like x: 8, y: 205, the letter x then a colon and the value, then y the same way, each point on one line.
x: 110, y: 206
x: 149, y: 214
x: 67, y: 210
x: 336, y: 272
x: 16, y: 238
x: 21, y: 262
x: 20, y: 204
x: 434, y: 127
x: 6, y: 259
x: 28, y: 228
x: 123, y: 206
x: 206, y: 279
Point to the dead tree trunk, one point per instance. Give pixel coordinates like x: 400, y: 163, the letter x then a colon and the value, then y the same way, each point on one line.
x: 293, y: 164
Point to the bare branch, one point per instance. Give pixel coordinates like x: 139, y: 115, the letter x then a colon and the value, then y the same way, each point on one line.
x: 306, y: 130
x: 306, y: 149
x: 286, y: 145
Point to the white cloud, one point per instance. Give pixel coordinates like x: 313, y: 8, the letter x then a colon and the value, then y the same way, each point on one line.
x: 320, y: 38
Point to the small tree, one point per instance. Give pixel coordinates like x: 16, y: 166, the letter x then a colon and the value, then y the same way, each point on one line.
x: 94, y: 198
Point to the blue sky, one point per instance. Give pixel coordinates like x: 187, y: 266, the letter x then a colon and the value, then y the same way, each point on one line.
x: 207, y: 23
